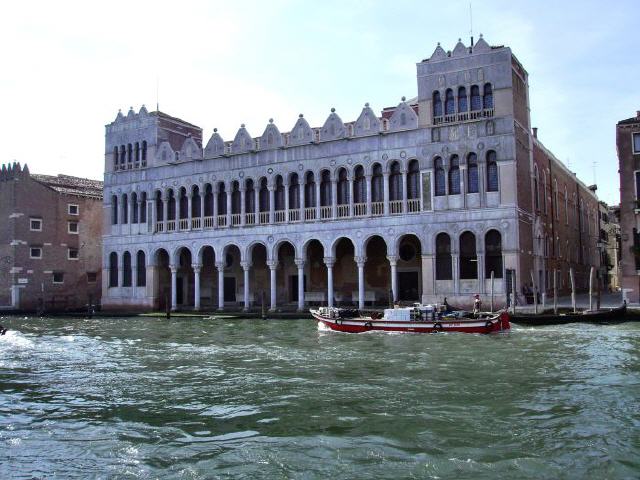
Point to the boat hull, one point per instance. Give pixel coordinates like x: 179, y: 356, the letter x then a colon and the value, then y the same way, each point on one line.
x: 496, y: 323
x: 602, y: 316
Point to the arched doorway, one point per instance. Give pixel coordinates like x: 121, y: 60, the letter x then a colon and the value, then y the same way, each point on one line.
x: 185, y: 289
x: 162, y: 279
x: 259, y: 277
x: 345, y: 273
x: 315, y: 273
x: 377, y: 272
x: 409, y: 268
x: 286, y: 274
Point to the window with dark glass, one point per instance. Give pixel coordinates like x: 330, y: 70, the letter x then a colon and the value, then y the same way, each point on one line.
x: 468, y: 257
x: 395, y: 182
x: 440, y: 178
x: 141, y: 271
x: 454, y: 176
x: 472, y: 173
x: 636, y: 142
x: 126, y: 269
x: 492, y: 172
x: 360, y: 186
x: 443, y: 257
x: 413, y: 180
x: 493, y: 254
x: 377, y: 193
x: 58, y: 277
x: 462, y: 99
x: 309, y: 190
x: 487, y: 99
x: 113, y: 269
x: 437, y: 104
x: 476, y: 101
x: 449, y: 103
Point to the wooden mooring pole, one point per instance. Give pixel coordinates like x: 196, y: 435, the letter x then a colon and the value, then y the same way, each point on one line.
x: 535, y: 293
x: 573, y: 290
x: 555, y: 291
x: 492, y: 277
x: 591, y: 272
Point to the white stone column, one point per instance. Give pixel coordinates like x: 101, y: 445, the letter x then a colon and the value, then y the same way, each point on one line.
x: 318, y: 196
x: 165, y: 209
x: 202, y: 201
x: 428, y: 277
x: 243, y: 205
x: 360, y: 262
x: 189, y: 208
x: 481, y: 182
x: 140, y: 207
x: 256, y: 203
x: 215, y: 206
x: 272, y: 206
x: 154, y: 216
x: 463, y: 184
x: 273, y: 266
x: 301, y: 188
x: 404, y: 191
x: 229, y: 193
x: 369, y: 189
x: 334, y: 198
x: 246, y: 269
x: 300, y: 265
x: 455, y: 259
x: 393, y: 263
x: 385, y: 189
x: 329, y: 262
x: 351, y: 197
x: 174, y: 283
x: 480, y: 264
x: 130, y: 210
x: 286, y: 202
x: 220, y: 267
x: 196, y: 283
x: 134, y: 278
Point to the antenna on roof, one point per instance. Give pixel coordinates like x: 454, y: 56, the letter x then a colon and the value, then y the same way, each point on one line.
x: 471, y: 23
x: 157, y: 93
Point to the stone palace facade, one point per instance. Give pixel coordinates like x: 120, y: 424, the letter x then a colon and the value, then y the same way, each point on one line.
x: 431, y: 199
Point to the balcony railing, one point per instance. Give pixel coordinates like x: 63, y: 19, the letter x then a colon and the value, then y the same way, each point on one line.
x: 183, y: 224
x: 395, y: 207
x: 250, y: 218
x: 377, y: 208
x: 279, y: 216
x: 325, y: 212
x: 196, y: 223
x: 310, y: 213
x: 413, y: 205
x: 208, y: 222
x: 171, y: 225
x: 159, y: 227
x: 464, y: 116
x: 343, y: 210
x: 236, y: 219
x: 359, y: 209
x: 263, y: 218
x: 222, y: 220
x: 294, y: 215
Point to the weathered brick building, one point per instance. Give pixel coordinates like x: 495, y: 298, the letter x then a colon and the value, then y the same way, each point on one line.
x: 51, y: 240
x: 628, y: 147
x: 428, y: 200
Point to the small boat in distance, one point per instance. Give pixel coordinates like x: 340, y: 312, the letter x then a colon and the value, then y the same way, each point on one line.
x: 416, y: 319
x: 612, y: 315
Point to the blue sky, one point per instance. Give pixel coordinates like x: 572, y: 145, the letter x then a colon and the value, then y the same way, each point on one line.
x: 69, y: 66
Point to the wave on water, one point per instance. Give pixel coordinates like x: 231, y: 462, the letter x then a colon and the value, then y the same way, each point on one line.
x: 16, y: 339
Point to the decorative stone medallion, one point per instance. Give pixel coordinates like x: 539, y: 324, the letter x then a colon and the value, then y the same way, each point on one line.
x: 175, y: 183
x: 270, y: 239
x: 349, y: 160
x: 480, y: 145
x: 269, y: 171
x: 403, y: 154
x: 385, y: 156
x: 300, y: 167
x: 241, y: 174
x: 332, y: 163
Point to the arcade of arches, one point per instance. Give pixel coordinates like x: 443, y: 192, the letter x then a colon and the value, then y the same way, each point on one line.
x: 284, y: 275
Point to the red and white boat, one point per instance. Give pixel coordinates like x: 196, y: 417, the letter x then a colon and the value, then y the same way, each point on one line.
x: 417, y: 319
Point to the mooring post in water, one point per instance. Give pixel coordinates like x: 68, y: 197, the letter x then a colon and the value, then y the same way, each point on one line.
x: 491, y: 289
x: 535, y: 293
x: 573, y: 290
x: 555, y: 291
x: 167, y: 306
x: 264, y: 315
x: 591, y: 271
x: 598, y: 287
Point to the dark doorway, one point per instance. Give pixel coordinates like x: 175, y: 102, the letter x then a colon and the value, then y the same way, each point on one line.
x: 408, y: 286
x: 293, y: 287
x: 180, y: 290
x: 229, y: 289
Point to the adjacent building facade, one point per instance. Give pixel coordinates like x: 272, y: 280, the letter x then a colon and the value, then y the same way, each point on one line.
x: 445, y: 195
x: 628, y: 148
x: 51, y: 240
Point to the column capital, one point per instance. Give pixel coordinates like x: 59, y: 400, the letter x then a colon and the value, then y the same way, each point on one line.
x: 271, y: 187
x: 329, y: 261
x: 220, y: 265
x: 300, y: 262
x: 360, y: 260
x: 385, y: 174
x: 202, y: 192
x: 393, y: 260
x: 173, y: 268
x: 196, y: 267
x: 246, y: 265
x: 272, y: 264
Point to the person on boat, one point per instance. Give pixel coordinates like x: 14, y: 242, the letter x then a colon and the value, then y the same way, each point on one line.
x: 477, y: 304
x: 2, y: 330
x: 447, y: 307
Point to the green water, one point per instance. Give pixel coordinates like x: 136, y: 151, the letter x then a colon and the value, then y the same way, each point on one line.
x: 189, y: 399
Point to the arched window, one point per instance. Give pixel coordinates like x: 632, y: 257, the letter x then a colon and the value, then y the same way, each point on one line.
x: 536, y: 195
x: 123, y: 156
x: 129, y: 154
x: 264, y: 196
x: 114, y: 210
x: 440, y: 177
x: 236, y: 199
x: 554, y: 204
x: 325, y: 188
x: 566, y: 205
x: 137, y: 153
x: 171, y: 205
x: 544, y: 191
x: 493, y: 254
x: 309, y: 190
x: 134, y: 207
x: 395, y: 182
x: 125, y: 208
x: 115, y: 158
x: 142, y: 215
x: 377, y: 193
x: 437, y: 104
x: 279, y: 193
x: 343, y: 187
x: 476, y: 101
x: 113, y: 269
x: 184, y: 203
x: 144, y: 153
x: 472, y: 173
x: 413, y: 180
x: 454, y: 175
x: 359, y: 185
x: 492, y: 172
x: 294, y: 191
x: 222, y: 199
x: 250, y: 197
x: 126, y: 269
x: 487, y: 99
x: 462, y: 99
x: 449, y: 103
x: 468, y: 256
x: 159, y: 207
x: 443, y: 257
x: 141, y: 271
x: 196, y: 207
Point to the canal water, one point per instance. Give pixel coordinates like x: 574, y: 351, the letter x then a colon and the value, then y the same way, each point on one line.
x: 195, y: 398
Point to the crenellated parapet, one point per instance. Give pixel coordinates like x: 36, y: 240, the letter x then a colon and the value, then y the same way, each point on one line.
x: 13, y: 171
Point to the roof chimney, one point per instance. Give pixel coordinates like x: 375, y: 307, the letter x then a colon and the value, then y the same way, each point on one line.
x: 535, y: 131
